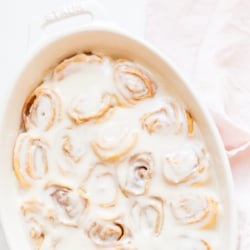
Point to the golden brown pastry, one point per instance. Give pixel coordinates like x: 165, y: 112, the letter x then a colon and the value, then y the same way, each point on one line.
x: 133, y: 83
x: 171, y: 117
x: 69, y: 205
x: 101, y: 186
x: 113, y: 149
x: 30, y: 160
x: 79, y: 109
x: 148, y: 215
x: 135, y: 174
x: 187, y: 165
x: 60, y: 70
x: 42, y: 109
x: 195, y: 209
x: 108, y: 233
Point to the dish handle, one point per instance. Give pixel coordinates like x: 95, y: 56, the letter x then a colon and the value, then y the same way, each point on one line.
x: 75, y: 15
x: 82, y: 8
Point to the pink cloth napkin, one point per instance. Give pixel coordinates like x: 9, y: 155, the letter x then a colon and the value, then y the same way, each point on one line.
x: 210, y: 41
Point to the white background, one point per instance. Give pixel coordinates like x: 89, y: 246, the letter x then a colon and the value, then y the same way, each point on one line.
x: 19, y: 33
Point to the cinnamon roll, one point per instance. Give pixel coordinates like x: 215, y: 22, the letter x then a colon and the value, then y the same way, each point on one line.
x: 42, y: 109
x: 61, y: 71
x: 188, y: 165
x: 108, y: 233
x: 135, y: 174
x: 101, y: 186
x: 111, y: 148
x: 184, y: 242
x: 32, y: 210
x: 148, y: 214
x: 70, y: 151
x: 30, y: 159
x: 69, y: 204
x: 195, y: 209
x: 133, y: 83
x: 171, y: 117
x: 38, y: 216
x: 83, y: 109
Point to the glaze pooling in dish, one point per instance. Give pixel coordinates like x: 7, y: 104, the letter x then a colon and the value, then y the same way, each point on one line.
x: 109, y: 159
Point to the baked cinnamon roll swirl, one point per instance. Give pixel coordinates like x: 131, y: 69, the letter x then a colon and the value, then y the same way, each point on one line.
x: 63, y: 70
x: 148, y: 214
x: 101, y: 186
x: 70, y: 151
x: 133, y: 83
x: 38, y: 216
x: 30, y: 159
x: 69, y: 204
x: 195, y: 209
x: 33, y: 213
x: 135, y: 174
x: 111, y: 148
x: 171, y: 117
x: 188, y: 165
x: 83, y: 109
x: 187, y: 243
x: 108, y: 233
x: 42, y: 109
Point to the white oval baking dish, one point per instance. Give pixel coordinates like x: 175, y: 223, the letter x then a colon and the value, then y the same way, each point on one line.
x: 112, y: 41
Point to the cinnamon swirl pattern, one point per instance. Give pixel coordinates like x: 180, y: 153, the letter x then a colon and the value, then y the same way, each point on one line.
x: 133, y: 83
x: 69, y: 204
x: 70, y: 151
x: 101, y: 186
x: 189, y: 165
x: 170, y: 117
x: 108, y: 233
x: 42, y: 109
x: 35, y: 213
x: 112, y: 149
x: 135, y: 174
x: 149, y: 214
x: 32, y: 211
x: 31, y: 159
x: 62, y: 70
x: 106, y: 104
x: 195, y: 209
x: 103, y: 158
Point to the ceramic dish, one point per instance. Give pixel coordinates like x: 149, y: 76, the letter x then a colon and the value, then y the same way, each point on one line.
x: 113, y: 42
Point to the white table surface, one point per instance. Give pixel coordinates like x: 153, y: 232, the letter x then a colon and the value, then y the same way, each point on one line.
x: 16, y: 25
